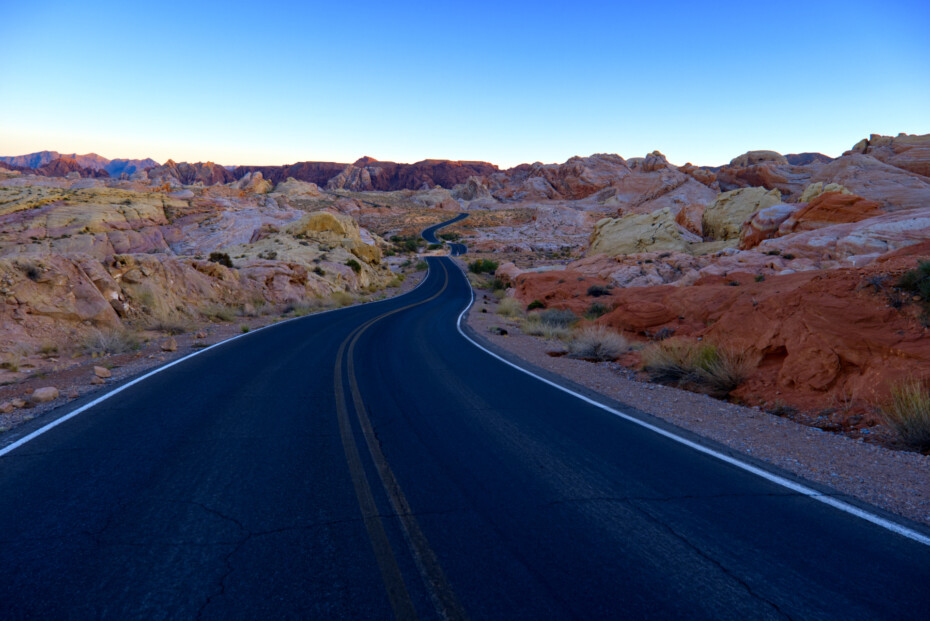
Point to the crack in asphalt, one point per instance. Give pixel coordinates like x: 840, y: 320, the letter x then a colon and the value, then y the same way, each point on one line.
x: 707, y: 556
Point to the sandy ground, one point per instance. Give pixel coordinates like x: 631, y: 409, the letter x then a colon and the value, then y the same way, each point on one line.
x: 73, y: 377
x: 897, y: 481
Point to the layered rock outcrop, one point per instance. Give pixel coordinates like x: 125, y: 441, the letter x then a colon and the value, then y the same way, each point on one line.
x: 724, y: 218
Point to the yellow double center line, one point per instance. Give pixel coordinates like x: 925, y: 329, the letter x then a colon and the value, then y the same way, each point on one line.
x: 434, y: 579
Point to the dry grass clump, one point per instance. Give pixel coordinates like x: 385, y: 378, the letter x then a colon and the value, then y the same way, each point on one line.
x: 552, y: 323
x: 598, y: 343
x: 510, y: 307
x: 102, y: 342
x: 698, y: 366
x: 908, y: 412
x: 341, y: 298
x: 218, y: 312
x: 169, y: 324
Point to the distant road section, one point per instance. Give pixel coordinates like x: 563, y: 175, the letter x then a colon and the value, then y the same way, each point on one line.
x: 430, y: 235
x: 371, y: 463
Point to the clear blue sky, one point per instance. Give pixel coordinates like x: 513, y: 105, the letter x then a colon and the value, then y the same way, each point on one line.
x: 276, y: 82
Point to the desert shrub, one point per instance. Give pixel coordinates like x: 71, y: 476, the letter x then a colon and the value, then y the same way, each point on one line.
x: 596, y: 291
x: 534, y: 325
x: 434, y: 247
x: 244, y: 328
x: 510, y: 307
x: 341, y: 298
x: 218, y: 312
x: 270, y: 255
x: 597, y: 343
x: 760, y: 277
x: 101, y: 342
x: 318, y: 271
x: 47, y: 348
x: 169, y: 325
x: 222, y: 258
x: 483, y: 266
x: 596, y: 310
x: 559, y: 317
x: 498, y: 285
x: 699, y: 366
x: 396, y: 281
x: 450, y: 236
x: 421, y: 265
x: 917, y: 281
x: 908, y: 412
x: 534, y: 305
x: 355, y: 265
x: 31, y: 270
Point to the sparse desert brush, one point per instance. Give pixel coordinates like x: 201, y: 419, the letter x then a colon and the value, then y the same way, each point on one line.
x: 908, y: 412
x: 917, y: 281
x: 422, y: 265
x: 218, y: 312
x: 553, y: 323
x: 222, y: 258
x: 483, y: 266
x: 598, y: 343
x: 114, y: 341
x: 695, y: 365
x: 510, y: 307
x: 341, y: 298
x: 47, y: 348
x: 169, y: 324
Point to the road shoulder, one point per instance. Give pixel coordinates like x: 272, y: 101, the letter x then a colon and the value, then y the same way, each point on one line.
x: 893, y: 481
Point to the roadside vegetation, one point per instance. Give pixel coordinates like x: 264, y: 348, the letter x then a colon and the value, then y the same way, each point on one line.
x: 597, y: 343
x: 699, y: 366
x: 908, y: 413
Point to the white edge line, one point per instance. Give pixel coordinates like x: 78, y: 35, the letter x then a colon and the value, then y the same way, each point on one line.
x: 774, y: 478
x: 41, y: 430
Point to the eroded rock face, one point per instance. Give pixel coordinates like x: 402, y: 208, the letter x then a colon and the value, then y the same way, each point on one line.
x: 635, y: 233
x: 905, y: 151
x: 816, y: 189
x: 872, y: 179
x: 765, y: 223
x: 828, y: 209
x: 724, y: 218
x: 812, y: 336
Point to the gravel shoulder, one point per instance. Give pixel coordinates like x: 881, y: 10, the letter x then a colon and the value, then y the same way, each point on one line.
x: 896, y: 481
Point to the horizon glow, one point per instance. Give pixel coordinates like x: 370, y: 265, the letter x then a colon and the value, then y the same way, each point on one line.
x: 504, y: 83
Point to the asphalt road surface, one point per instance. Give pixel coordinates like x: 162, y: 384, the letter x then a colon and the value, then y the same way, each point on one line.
x: 372, y: 463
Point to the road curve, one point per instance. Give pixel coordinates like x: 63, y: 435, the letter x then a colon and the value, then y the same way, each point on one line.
x: 430, y: 235
x: 372, y: 463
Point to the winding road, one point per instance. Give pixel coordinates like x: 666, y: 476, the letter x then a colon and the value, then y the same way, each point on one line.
x: 373, y: 463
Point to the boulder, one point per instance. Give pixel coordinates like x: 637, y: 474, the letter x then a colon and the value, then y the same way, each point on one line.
x: 636, y: 233
x: 102, y: 372
x: 816, y: 189
x: 751, y: 158
x: 905, y: 151
x: 170, y: 344
x: 764, y: 224
x: 724, y: 218
x: 45, y: 394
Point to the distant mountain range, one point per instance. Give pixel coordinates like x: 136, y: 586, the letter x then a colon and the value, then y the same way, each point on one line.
x: 114, y: 168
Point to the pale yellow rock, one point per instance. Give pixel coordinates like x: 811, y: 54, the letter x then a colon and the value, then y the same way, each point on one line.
x: 102, y: 372
x: 96, y: 380
x: 6, y: 407
x: 170, y: 345
x: 45, y: 394
x: 724, y: 218
x: 816, y: 189
x: 656, y: 231
x: 18, y: 403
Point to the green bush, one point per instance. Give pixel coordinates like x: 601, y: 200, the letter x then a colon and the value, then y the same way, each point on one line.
x: 355, y: 265
x: 510, y: 307
x: 596, y: 310
x: 917, y: 281
x: 421, y: 265
x: 222, y: 258
x: 534, y: 305
x: 434, y: 247
x: 559, y: 317
x: 483, y: 266
x: 596, y: 291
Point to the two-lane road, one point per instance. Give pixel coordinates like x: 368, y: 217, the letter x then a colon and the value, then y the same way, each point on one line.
x: 372, y: 463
